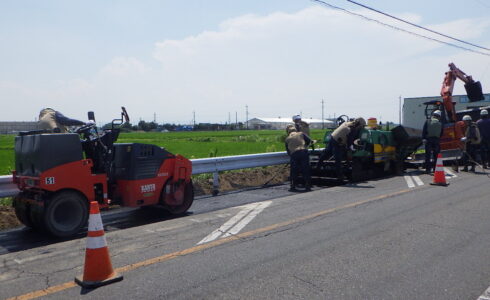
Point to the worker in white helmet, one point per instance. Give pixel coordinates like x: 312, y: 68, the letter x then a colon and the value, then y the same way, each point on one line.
x: 301, y: 126
x: 297, y: 148
x: 471, y: 142
x: 431, y: 136
x: 484, y: 127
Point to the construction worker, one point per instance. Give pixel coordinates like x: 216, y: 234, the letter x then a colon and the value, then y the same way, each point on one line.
x: 301, y: 126
x: 471, y: 142
x: 484, y: 127
x: 54, y: 121
x: 340, y: 140
x: 431, y: 135
x: 296, y: 147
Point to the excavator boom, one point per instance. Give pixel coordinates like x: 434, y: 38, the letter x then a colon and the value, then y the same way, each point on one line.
x: 473, y: 89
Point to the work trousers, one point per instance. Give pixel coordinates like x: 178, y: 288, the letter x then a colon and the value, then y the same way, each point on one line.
x: 485, y: 151
x: 338, y: 152
x: 300, y: 163
x: 470, y: 155
x: 432, y: 149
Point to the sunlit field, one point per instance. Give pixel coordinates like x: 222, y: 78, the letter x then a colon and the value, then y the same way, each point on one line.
x: 191, y: 144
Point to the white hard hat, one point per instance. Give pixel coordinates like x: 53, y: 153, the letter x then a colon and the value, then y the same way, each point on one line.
x: 436, y: 113
x: 467, y: 118
x: 484, y: 112
x: 296, y: 117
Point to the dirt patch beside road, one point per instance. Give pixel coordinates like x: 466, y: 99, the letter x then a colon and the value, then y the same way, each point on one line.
x: 235, y: 180
x: 8, y: 218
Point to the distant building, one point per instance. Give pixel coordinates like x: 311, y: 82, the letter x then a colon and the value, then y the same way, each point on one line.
x: 281, y: 123
x: 414, y: 108
x: 14, y: 127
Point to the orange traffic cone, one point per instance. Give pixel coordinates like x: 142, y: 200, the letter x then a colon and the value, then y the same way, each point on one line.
x: 439, y: 176
x: 98, y: 267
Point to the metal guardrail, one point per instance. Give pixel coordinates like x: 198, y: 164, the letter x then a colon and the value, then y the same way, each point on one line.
x: 226, y: 163
x: 199, y: 166
x: 7, y: 188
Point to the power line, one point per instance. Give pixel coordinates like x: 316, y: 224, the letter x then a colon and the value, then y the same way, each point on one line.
x: 418, y: 26
x: 400, y: 29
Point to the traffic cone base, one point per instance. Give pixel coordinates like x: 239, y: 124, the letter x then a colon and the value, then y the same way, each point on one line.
x: 115, y: 277
x: 439, y: 176
x: 97, y: 270
x: 439, y: 183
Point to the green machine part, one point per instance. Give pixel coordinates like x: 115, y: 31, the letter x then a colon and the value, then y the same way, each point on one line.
x: 378, y: 144
x: 383, y: 145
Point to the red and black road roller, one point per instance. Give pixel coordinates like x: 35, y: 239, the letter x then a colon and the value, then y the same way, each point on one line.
x: 59, y: 174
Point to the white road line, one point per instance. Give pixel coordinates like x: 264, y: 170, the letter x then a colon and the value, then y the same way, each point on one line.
x: 409, y: 181
x: 218, y: 232
x: 236, y: 229
x: 485, y: 295
x: 418, y: 180
x: 450, y: 173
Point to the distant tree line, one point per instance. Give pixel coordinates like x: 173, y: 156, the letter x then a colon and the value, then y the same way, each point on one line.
x: 153, y: 126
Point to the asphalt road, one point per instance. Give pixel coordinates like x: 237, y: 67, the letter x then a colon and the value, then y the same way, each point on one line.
x: 393, y: 238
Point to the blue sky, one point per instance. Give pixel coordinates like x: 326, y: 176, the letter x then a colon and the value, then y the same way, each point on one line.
x: 214, y: 57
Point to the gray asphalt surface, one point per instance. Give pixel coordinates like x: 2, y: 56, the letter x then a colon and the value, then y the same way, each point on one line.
x: 374, y: 240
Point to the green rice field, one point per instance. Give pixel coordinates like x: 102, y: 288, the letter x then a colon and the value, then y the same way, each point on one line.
x: 193, y: 144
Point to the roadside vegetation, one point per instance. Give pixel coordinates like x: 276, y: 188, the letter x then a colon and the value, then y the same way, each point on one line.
x: 191, y: 144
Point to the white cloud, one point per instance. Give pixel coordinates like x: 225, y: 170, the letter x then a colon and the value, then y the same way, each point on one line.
x: 123, y: 66
x: 279, y: 64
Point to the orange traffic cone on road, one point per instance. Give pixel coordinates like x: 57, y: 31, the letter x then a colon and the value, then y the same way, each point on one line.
x: 439, y: 176
x: 98, y: 267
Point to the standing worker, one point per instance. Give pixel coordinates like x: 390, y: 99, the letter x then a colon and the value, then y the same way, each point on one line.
x: 471, y: 141
x: 484, y: 127
x: 340, y: 140
x: 431, y: 136
x: 301, y: 126
x: 54, y: 121
x: 296, y: 147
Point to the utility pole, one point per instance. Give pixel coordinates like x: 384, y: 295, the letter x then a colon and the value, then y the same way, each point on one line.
x: 236, y: 119
x: 323, y: 122
x: 194, y: 118
x: 246, y: 115
x: 229, y: 118
x: 154, y: 117
x: 400, y: 110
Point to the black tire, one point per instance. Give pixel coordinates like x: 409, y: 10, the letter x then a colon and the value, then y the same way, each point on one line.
x: 357, y: 172
x: 188, y: 199
x: 398, y: 168
x: 36, y: 213
x: 65, y: 214
x: 22, y: 211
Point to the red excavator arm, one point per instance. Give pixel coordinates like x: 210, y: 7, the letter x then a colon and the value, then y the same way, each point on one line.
x: 448, y: 85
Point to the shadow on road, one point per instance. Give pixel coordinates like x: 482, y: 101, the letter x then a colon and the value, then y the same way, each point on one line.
x: 24, y: 238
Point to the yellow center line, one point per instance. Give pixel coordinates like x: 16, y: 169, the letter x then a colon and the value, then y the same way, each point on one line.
x: 167, y: 257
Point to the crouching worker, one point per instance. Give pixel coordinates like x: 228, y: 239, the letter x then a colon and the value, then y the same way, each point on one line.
x: 54, y: 121
x: 296, y: 146
x: 341, y: 139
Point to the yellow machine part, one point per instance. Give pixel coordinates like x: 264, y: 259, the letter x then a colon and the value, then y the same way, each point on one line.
x: 383, y: 153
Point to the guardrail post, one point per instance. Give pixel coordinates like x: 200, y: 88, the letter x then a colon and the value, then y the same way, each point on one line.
x: 215, y: 183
